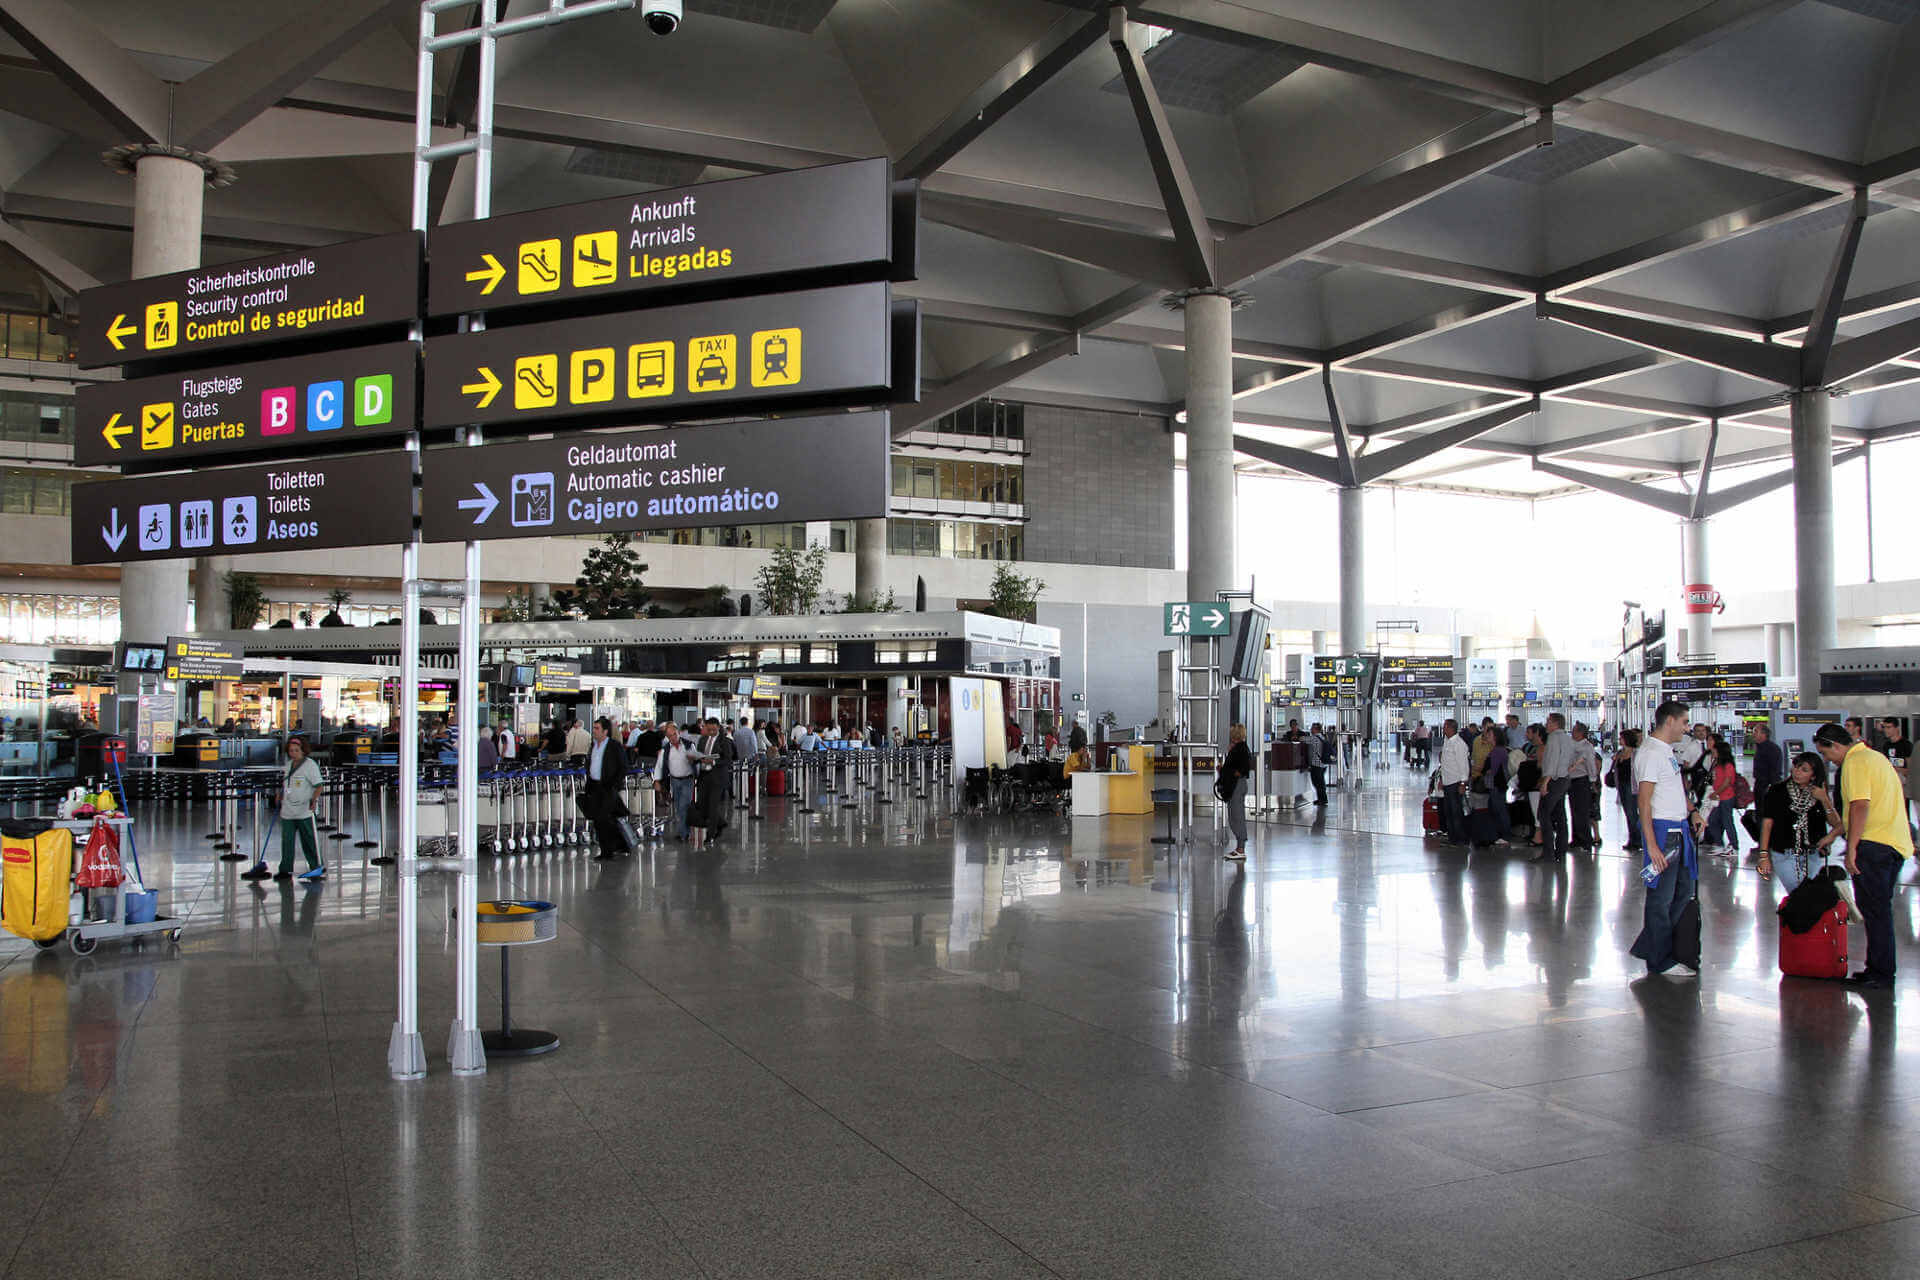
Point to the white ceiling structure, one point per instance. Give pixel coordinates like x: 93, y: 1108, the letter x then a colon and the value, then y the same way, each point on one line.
x: 1370, y: 174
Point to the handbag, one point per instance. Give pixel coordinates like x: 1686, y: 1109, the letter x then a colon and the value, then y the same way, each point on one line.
x: 100, y: 863
x: 628, y: 836
x: 1751, y: 821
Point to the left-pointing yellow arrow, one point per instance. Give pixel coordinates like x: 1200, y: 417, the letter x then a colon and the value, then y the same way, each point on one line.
x: 116, y: 430
x: 491, y: 273
x: 120, y: 329
x: 487, y: 388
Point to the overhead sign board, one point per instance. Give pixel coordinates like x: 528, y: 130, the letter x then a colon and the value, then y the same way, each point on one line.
x: 304, y: 402
x: 767, y: 687
x: 556, y: 677
x: 786, y: 471
x: 354, y: 501
x: 285, y: 297
x: 192, y: 659
x: 1195, y: 618
x: 153, y: 725
x: 834, y: 219
x: 815, y: 345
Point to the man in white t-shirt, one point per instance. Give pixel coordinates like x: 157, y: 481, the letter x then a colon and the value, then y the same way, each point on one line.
x: 1666, y: 812
x: 1455, y: 760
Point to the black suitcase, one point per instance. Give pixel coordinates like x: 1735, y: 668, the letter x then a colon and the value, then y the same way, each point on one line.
x: 1480, y: 828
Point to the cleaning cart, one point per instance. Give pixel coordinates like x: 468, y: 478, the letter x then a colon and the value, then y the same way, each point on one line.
x: 120, y: 911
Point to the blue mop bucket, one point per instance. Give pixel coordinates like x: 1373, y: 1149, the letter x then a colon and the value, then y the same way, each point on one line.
x: 142, y: 908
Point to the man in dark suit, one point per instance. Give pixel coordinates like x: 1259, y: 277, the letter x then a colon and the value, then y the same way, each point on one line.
x: 606, y: 775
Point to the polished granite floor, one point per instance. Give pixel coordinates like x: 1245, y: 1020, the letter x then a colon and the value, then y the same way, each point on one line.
x: 890, y: 1041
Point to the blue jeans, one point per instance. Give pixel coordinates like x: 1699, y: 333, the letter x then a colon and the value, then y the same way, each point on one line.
x: 1667, y: 898
x: 1453, y: 811
x: 1723, y: 826
x: 1786, y: 869
x: 1630, y: 805
x: 1873, y: 889
x: 681, y: 790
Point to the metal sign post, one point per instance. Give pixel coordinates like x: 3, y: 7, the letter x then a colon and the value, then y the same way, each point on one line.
x: 406, y: 1058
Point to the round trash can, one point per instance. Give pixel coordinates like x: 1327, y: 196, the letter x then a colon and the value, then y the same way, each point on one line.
x: 506, y: 924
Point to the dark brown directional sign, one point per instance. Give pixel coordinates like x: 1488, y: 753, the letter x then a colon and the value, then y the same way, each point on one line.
x: 813, y: 346
x: 556, y: 677
x: 191, y: 659
x: 354, y: 501
x: 834, y: 219
x: 785, y: 471
x: 305, y: 294
x: 304, y: 402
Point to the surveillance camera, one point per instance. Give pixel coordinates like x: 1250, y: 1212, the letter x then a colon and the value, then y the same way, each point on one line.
x: 663, y: 16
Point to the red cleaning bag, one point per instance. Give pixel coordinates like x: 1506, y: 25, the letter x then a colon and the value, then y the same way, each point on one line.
x: 100, y: 865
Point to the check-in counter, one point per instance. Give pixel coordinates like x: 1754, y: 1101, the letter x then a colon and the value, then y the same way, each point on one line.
x: 1123, y: 790
x: 224, y: 751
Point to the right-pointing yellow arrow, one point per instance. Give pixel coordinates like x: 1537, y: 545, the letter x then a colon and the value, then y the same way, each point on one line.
x: 491, y: 273
x: 116, y: 430
x: 487, y: 388
x: 120, y: 329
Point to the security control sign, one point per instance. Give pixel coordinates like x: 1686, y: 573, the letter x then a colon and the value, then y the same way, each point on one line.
x: 556, y: 677
x: 834, y: 219
x: 818, y: 344
x: 257, y: 302
x: 1195, y: 618
x: 354, y: 501
x: 191, y: 659
x: 786, y: 471
x: 301, y: 402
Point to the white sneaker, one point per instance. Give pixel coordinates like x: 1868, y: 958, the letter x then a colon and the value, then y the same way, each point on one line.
x: 1681, y: 971
x: 1235, y: 855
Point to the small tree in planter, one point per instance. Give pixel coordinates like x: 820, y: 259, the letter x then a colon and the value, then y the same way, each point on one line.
x: 245, y: 600
x: 1014, y: 595
x: 609, y: 583
x: 790, y: 581
x: 338, y: 598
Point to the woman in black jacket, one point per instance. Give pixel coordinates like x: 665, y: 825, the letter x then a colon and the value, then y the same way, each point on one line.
x: 1231, y: 786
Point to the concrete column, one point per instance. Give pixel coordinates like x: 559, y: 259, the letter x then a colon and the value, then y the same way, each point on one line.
x: 1320, y: 643
x: 870, y: 558
x: 168, y: 197
x: 1210, y: 513
x: 210, y: 592
x: 1699, y: 574
x: 1814, y: 628
x: 1771, y: 636
x: 1467, y: 646
x: 1353, y: 569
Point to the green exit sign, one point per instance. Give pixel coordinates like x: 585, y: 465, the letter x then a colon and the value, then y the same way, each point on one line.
x: 1196, y: 618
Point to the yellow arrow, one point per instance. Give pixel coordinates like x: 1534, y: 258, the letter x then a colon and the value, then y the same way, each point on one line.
x: 115, y: 430
x: 491, y: 273
x: 120, y: 329
x: 487, y: 388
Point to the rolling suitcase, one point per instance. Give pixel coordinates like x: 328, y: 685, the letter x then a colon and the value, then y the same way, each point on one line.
x: 776, y: 782
x: 1820, y: 952
x: 1430, y: 820
x: 1480, y: 829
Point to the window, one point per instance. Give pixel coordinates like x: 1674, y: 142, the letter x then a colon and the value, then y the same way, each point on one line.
x: 895, y: 652
x: 819, y: 654
x: 777, y: 655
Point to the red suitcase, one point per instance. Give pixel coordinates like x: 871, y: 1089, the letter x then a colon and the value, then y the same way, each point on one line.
x: 1430, y: 819
x: 776, y: 782
x: 1820, y: 952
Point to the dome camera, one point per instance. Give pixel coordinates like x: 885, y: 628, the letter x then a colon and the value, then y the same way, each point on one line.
x: 663, y: 16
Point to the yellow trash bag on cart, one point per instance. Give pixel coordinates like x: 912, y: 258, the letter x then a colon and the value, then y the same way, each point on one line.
x: 36, y: 881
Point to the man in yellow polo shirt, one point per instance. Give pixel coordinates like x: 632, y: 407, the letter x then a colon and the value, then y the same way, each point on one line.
x: 1874, y: 807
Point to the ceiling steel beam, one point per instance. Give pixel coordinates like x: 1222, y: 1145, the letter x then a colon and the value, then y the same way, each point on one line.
x: 1238, y: 23
x: 1817, y: 345
x: 1737, y: 222
x: 1627, y: 402
x: 1016, y: 81
x: 1703, y: 477
x: 1379, y: 465
x: 1420, y: 420
x: 1414, y: 266
x: 1316, y: 465
x: 1342, y: 444
x: 1727, y: 499
x: 1778, y: 365
x: 1269, y: 377
x: 1789, y: 328
x: 1561, y: 385
x: 1676, y: 504
x: 1176, y: 340
x: 1190, y: 230
x: 1663, y: 46
x: 1121, y: 304
x: 1869, y: 351
x: 983, y: 379
x: 1894, y: 167
x: 980, y: 313
x: 1627, y: 304
x: 1349, y: 209
x: 1376, y: 344
x: 1614, y: 435
x: 1434, y: 376
x: 1160, y: 262
x: 47, y: 261
x: 208, y: 108
x: 1789, y: 164
x: 134, y: 101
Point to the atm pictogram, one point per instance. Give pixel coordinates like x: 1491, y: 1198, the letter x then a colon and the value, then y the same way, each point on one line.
x: 163, y: 325
x: 536, y: 382
x: 539, y: 266
x: 596, y: 259
x: 156, y: 426
x: 649, y: 370
x: 590, y: 377
x: 776, y: 358
x: 710, y: 363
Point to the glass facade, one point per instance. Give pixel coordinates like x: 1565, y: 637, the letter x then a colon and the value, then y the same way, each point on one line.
x: 944, y: 478
x: 28, y: 492
x: 995, y: 419
x: 955, y: 539
x: 30, y: 336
